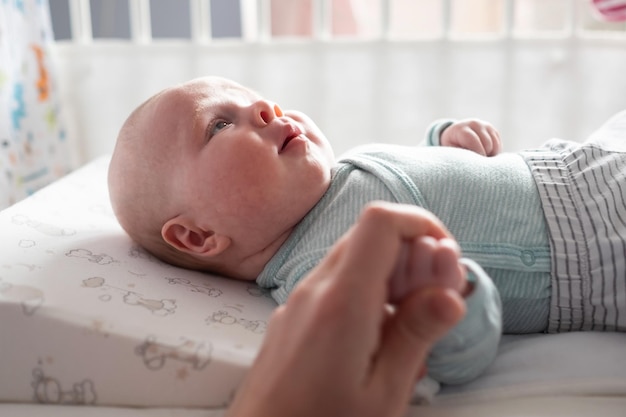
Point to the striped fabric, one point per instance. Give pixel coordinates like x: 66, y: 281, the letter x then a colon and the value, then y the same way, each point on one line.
x: 583, y: 191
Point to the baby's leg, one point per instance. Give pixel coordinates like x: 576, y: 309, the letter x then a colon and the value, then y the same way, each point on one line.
x: 427, y: 262
x: 585, y: 207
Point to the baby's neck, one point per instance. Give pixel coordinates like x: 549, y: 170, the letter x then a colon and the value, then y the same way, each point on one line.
x: 249, y: 267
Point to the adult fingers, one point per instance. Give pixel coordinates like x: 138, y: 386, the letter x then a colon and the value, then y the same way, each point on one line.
x: 422, y: 319
x: 371, y: 248
x: 448, y: 271
x: 372, y: 245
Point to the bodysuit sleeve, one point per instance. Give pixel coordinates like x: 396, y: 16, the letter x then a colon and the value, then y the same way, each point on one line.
x: 470, y: 347
x: 434, y: 132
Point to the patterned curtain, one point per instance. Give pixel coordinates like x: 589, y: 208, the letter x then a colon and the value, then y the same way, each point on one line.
x: 34, y: 148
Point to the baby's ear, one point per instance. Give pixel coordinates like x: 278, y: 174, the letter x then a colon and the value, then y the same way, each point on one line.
x: 185, y: 236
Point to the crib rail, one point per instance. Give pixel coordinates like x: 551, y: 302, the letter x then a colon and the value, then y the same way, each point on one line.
x: 256, y: 21
x: 565, y: 79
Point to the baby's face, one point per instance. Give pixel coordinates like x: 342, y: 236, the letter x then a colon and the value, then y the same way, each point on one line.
x: 243, y: 165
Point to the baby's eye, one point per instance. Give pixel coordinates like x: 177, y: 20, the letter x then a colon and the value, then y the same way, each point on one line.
x: 217, y: 126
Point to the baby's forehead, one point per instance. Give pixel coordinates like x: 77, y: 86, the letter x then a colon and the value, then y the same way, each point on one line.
x: 215, y: 89
x: 196, y: 96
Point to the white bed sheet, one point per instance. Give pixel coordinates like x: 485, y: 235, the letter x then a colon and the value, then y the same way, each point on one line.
x: 553, y: 406
x: 88, y: 318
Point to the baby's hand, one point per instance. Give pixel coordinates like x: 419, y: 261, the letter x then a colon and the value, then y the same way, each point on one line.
x: 474, y: 135
x: 427, y: 262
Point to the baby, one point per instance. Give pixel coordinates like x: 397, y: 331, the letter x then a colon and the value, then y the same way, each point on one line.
x: 209, y: 175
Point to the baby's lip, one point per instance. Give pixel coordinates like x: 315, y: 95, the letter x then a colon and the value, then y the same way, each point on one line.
x: 290, y: 132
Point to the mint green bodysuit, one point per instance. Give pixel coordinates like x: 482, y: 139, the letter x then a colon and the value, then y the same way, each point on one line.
x: 490, y: 205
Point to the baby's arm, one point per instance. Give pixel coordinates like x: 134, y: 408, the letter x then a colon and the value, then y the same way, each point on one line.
x: 471, y: 134
x: 465, y: 352
x: 469, y: 348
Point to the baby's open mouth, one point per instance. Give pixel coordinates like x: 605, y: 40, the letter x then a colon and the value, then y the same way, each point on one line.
x: 293, y: 133
x: 286, y: 142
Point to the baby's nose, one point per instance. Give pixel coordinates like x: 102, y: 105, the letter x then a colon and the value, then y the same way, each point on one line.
x: 266, y: 111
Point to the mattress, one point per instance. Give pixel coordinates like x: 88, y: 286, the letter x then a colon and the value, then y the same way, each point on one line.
x: 89, y: 318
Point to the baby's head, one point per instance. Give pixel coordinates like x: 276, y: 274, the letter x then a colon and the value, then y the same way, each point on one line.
x: 209, y: 175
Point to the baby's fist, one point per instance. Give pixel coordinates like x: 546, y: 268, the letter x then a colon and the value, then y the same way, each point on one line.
x: 474, y: 135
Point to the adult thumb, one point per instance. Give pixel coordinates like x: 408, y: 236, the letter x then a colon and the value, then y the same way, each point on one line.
x: 419, y: 321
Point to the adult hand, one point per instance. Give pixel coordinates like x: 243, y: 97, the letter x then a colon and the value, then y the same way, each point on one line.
x: 336, y: 348
x: 474, y: 135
